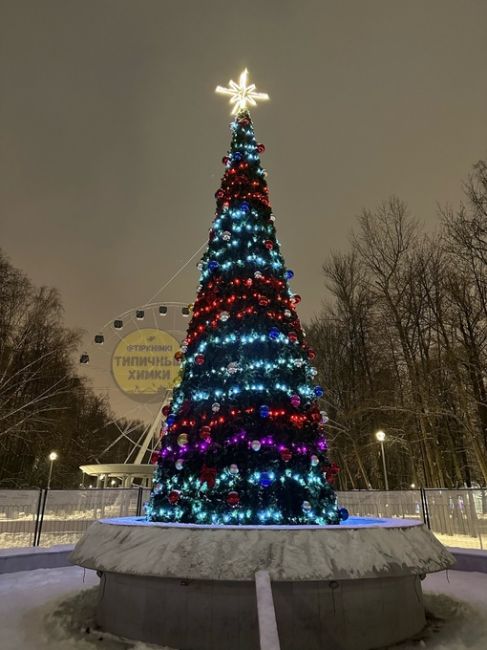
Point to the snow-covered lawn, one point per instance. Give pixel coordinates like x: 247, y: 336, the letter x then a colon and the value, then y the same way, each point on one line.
x: 456, y: 602
x: 52, y: 609
x: 455, y: 541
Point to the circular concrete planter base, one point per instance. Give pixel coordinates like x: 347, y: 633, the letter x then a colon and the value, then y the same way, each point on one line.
x: 348, y: 587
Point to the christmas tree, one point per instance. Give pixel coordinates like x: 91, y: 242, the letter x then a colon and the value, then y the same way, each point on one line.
x: 244, y: 437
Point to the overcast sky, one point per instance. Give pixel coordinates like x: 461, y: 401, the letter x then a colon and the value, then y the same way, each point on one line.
x: 111, y: 137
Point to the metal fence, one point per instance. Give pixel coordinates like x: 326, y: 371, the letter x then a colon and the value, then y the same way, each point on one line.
x: 457, y: 518
x: 50, y: 517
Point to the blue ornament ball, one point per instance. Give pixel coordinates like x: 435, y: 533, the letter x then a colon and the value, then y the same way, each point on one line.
x: 274, y: 333
x: 171, y: 419
x: 213, y: 265
x: 237, y: 156
x: 319, y: 392
x: 343, y: 514
x: 289, y: 275
x: 265, y: 480
x: 264, y: 411
x: 244, y: 206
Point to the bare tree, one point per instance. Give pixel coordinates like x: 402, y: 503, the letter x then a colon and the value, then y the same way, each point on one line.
x: 44, y: 404
x: 402, y: 345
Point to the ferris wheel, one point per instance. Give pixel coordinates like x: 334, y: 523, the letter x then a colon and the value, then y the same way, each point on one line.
x: 131, y: 359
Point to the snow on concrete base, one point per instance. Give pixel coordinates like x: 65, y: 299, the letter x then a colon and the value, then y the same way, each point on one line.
x: 361, y: 549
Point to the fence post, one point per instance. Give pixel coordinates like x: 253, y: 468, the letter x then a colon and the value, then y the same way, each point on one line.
x: 41, y: 517
x: 424, y: 505
x: 140, y: 495
x: 38, y: 513
x: 472, y: 517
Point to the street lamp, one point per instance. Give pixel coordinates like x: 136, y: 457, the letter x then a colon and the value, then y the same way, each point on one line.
x: 52, y: 457
x: 381, y: 436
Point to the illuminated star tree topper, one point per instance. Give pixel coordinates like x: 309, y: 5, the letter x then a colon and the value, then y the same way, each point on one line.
x: 241, y: 94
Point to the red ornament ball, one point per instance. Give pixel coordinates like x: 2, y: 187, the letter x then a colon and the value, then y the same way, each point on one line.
x: 261, y: 148
x: 264, y: 302
x: 178, y: 356
x: 199, y: 359
x: 296, y: 298
x: 174, y: 496
x: 225, y: 160
x: 165, y: 410
x: 315, y: 416
x: 311, y: 354
x: 286, y: 455
x: 268, y: 244
x: 331, y: 473
x: 292, y: 336
x: 233, y: 498
x: 205, y: 432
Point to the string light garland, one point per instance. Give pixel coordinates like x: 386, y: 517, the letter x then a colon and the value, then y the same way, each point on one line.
x: 244, y: 438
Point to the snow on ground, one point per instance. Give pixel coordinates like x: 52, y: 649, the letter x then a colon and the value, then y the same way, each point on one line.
x: 462, y: 541
x: 53, y: 609
x: 456, y: 603
x: 26, y: 539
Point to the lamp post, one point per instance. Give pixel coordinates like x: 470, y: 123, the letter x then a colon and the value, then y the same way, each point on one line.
x: 381, y: 436
x: 52, y: 457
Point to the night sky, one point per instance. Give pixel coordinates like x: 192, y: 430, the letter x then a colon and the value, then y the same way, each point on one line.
x: 111, y: 136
